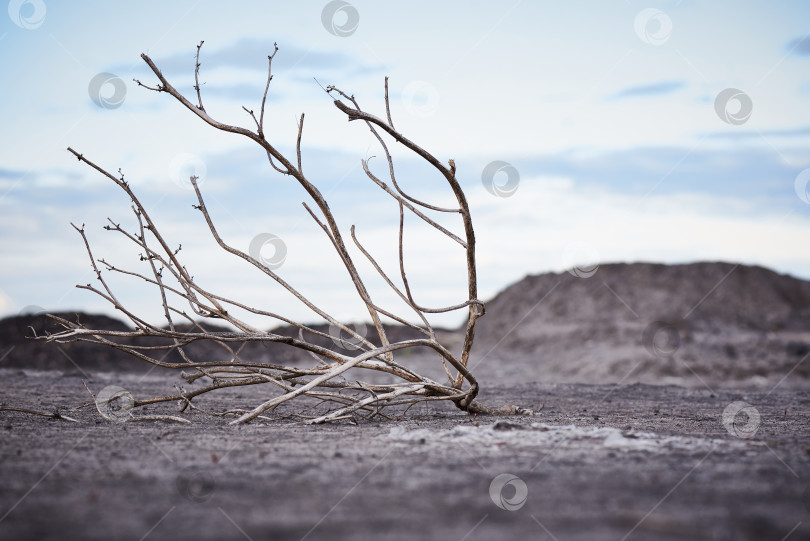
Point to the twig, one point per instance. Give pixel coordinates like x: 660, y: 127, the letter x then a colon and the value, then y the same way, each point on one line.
x: 166, y: 418
x: 52, y: 415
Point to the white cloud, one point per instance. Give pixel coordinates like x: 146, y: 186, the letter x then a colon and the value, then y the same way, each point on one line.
x: 547, y: 215
x: 5, y: 302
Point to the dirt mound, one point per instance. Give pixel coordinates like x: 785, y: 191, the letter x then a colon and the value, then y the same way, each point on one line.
x: 20, y: 349
x: 705, y: 294
x: 695, y: 324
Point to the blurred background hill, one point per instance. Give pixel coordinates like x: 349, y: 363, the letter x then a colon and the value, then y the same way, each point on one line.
x: 702, y: 324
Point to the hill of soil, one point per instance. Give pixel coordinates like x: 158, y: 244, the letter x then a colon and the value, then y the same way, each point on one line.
x: 20, y: 349
x: 696, y: 324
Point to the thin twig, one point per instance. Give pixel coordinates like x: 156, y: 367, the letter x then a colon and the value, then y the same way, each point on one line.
x: 52, y: 415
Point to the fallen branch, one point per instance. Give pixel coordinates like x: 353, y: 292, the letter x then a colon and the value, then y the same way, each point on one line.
x: 52, y: 415
x: 325, y: 381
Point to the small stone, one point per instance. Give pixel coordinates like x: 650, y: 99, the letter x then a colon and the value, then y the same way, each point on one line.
x: 506, y: 425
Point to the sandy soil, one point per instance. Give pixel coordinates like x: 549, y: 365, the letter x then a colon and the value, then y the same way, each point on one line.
x: 595, y: 462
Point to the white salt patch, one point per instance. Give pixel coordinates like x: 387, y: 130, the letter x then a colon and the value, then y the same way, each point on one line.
x: 546, y: 437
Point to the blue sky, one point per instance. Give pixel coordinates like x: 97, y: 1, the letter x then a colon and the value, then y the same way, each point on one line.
x: 611, y: 112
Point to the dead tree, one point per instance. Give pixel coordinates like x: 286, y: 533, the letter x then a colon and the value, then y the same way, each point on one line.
x: 322, y: 380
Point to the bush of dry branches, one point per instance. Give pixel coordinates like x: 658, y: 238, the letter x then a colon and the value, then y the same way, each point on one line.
x: 323, y: 380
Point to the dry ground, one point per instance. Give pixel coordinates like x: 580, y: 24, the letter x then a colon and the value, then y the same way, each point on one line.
x: 598, y: 462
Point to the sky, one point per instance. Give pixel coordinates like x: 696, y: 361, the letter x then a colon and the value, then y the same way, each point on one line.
x: 584, y: 132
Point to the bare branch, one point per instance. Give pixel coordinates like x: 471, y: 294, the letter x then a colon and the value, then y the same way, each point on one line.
x: 388, y: 105
x: 267, y: 87
x: 55, y: 414
x: 197, y: 77
x: 298, y: 143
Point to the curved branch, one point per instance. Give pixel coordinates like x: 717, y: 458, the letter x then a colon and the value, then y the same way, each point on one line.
x: 449, y: 175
